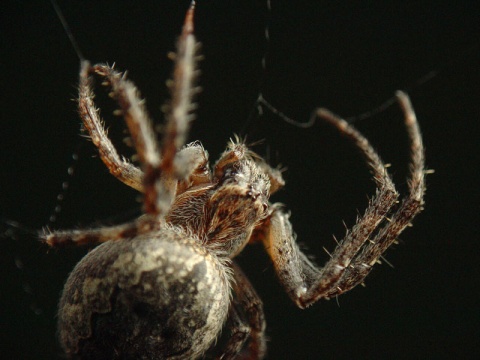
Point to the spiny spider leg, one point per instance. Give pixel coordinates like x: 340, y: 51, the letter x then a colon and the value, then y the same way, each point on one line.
x: 193, y: 157
x: 126, y: 94
x: 304, y: 282
x: 246, y: 319
x: 119, y: 167
x: 159, y: 194
x: 377, y: 209
x: 161, y: 176
x: 179, y: 116
x: 408, y: 209
x: 132, y: 108
x: 139, y: 126
x: 90, y: 236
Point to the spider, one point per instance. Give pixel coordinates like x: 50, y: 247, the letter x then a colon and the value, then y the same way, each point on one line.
x: 165, y: 285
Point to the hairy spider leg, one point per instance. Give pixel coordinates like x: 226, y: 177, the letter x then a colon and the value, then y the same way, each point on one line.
x: 118, y: 166
x: 158, y: 163
x: 304, y: 281
x: 411, y: 205
x: 126, y: 94
x: 193, y: 158
x: 89, y: 236
x: 160, y: 178
x: 179, y: 116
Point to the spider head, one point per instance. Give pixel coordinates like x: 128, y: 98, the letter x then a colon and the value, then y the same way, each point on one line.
x: 239, y: 201
x: 240, y: 167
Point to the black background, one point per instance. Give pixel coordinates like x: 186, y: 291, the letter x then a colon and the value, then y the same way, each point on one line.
x: 347, y: 56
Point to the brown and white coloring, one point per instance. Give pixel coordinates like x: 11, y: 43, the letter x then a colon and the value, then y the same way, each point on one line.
x: 165, y: 285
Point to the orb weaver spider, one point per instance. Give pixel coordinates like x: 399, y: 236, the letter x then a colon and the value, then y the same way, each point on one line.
x: 165, y: 284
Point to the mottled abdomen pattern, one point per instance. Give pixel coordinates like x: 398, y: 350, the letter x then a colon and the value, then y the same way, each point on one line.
x: 155, y: 297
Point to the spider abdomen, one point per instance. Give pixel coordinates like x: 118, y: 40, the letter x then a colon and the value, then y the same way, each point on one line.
x: 155, y: 296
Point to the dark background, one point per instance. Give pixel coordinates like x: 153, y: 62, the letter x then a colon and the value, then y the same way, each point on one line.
x: 347, y: 56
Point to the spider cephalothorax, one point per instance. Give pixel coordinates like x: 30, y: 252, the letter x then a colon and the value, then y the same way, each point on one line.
x: 164, y: 285
x: 223, y: 212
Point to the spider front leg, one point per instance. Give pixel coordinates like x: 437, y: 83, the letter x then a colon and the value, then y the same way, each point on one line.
x: 161, y: 174
x: 192, y: 159
x: 164, y: 168
x: 352, y: 260
x: 118, y: 166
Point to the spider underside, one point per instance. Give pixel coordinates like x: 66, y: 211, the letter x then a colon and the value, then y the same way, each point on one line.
x: 164, y: 285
